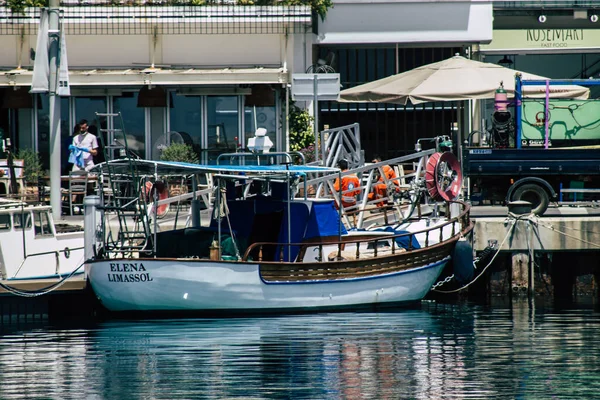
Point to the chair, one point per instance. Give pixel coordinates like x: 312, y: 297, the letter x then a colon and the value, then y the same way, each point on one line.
x: 76, y: 190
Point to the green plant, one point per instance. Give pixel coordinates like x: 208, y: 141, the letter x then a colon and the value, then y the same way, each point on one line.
x: 301, y: 129
x: 318, y: 6
x: 19, y: 6
x: 32, y: 165
x: 179, y: 152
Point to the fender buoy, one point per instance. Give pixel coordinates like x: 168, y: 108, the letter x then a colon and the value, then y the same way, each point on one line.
x: 462, y: 258
x: 163, y: 193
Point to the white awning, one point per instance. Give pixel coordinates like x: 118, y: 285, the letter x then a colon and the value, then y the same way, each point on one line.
x: 157, y: 76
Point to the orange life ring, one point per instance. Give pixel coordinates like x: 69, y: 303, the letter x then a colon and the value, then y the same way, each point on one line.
x: 163, y: 193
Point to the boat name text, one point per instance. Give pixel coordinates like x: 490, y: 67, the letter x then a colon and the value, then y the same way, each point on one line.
x: 131, y: 277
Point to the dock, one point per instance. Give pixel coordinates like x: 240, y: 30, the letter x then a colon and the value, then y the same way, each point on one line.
x: 555, y: 255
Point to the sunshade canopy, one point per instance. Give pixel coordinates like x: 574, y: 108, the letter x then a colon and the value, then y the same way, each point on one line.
x: 456, y: 78
x: 147, y: 167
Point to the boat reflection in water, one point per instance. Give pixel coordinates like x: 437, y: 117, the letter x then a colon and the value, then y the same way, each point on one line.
x: 349, y: 356
x: 437, y: 351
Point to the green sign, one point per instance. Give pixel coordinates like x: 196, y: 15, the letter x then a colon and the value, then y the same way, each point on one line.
x: 543, y: 39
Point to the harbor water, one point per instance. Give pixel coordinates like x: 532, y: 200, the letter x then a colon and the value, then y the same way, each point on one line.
x: 432, y: 351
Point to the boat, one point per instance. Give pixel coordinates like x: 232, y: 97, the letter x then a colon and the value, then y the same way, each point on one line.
x: 262, y: 249
x: 34, y: 247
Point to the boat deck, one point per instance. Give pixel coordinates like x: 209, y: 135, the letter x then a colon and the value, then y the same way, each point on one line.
x: 73, y: 284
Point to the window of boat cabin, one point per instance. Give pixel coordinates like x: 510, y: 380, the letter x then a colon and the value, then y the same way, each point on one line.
x: 4, y: 222
x: 20, y: 220
x: 41, y: 222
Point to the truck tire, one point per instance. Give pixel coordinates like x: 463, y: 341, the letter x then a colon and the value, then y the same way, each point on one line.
x: 535, y: 194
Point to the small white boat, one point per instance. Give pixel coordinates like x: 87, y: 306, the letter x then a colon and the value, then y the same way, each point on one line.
x: 262, y: 252
x: 32, y: 246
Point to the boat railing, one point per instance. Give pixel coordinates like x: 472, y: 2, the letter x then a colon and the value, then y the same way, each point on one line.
x: 66, y: 251
x: 407, y: 186
x: 460, y: 225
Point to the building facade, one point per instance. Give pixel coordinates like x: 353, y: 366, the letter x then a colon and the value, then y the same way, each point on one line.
x: 214, y: 73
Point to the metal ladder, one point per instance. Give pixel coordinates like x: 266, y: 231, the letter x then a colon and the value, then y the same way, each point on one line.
x: 123, y: 193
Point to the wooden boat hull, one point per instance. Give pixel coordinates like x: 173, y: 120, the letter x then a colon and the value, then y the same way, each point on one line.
x: 184, y: 285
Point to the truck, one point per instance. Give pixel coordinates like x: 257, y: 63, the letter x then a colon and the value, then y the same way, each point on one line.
x: 549, y: 151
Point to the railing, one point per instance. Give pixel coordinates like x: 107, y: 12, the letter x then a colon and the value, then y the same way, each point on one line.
x: 461, y: 224
x: 409, y: 185
x: 164, y: 19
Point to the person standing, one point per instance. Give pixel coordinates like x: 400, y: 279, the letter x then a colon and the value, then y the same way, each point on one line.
x: 86, y: 143
x: 349, y: 187
x: 380, y: 189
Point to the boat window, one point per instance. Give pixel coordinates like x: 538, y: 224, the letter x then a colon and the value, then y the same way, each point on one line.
x: 42, y: 223
x: 20, y: 220
x: 4, y: 222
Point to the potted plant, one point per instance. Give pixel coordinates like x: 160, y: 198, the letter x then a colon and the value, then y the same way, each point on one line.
x: 32, y: 171
x: 179, y: 152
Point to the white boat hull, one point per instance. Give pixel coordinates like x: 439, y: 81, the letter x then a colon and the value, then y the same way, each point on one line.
x: 204, y: 286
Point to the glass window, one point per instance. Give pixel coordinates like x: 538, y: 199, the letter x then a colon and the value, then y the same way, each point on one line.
x: 44, y: 132
x: 261, y: 117
x: 185, y: 118
x: 133, y: 120
x: 4, y: 222
x: 223, y: 131
x: 42, y: 223
x: 22, y: 219
x: 157, y: 132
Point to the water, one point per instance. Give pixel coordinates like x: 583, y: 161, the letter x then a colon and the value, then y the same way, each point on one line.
x: 431, y: 352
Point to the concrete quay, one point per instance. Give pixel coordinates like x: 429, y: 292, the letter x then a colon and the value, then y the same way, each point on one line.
x: 556, y: 255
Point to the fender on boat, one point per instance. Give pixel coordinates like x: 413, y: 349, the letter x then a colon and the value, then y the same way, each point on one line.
x: 462, y: 258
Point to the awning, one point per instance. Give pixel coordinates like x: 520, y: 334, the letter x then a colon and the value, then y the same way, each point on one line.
x: 157, y: 76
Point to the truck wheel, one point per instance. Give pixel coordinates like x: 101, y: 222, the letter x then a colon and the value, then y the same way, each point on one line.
x: 535, y: 194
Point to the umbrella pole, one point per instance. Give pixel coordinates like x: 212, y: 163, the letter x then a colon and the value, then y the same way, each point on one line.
x: 316, y: 114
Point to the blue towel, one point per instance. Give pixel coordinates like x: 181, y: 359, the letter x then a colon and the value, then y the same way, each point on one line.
x: 76, y: 155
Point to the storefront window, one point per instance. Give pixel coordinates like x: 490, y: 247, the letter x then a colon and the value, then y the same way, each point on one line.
x: 223, y: 126
x: 134, y: 123
x: 43, y: 122
x: 261, y: 117
x: 186, y: 119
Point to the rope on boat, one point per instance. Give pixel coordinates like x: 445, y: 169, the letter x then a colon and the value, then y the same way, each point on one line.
x: 510, y: 230
x: 43, y: 291
x: 222, y: 210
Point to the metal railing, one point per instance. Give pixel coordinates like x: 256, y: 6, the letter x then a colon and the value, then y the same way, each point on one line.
x: 460, y: 224
x: 221, y: 18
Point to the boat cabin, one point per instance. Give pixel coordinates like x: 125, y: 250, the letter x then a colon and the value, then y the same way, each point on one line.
x: 32, y: 246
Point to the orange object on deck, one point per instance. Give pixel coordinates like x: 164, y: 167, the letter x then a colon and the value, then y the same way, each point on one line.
x: 349, y: 182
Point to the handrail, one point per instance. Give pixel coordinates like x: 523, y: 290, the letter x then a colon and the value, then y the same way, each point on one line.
x: 463, y: 218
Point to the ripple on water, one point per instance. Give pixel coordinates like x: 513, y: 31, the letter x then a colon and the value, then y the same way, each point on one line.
x: 437, y: 351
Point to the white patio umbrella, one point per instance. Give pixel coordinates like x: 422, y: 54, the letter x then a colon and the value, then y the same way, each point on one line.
x: 456, y: 78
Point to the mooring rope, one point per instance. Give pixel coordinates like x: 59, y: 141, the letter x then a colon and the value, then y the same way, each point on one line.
x: 552, y: 228
x: 510, y: 229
